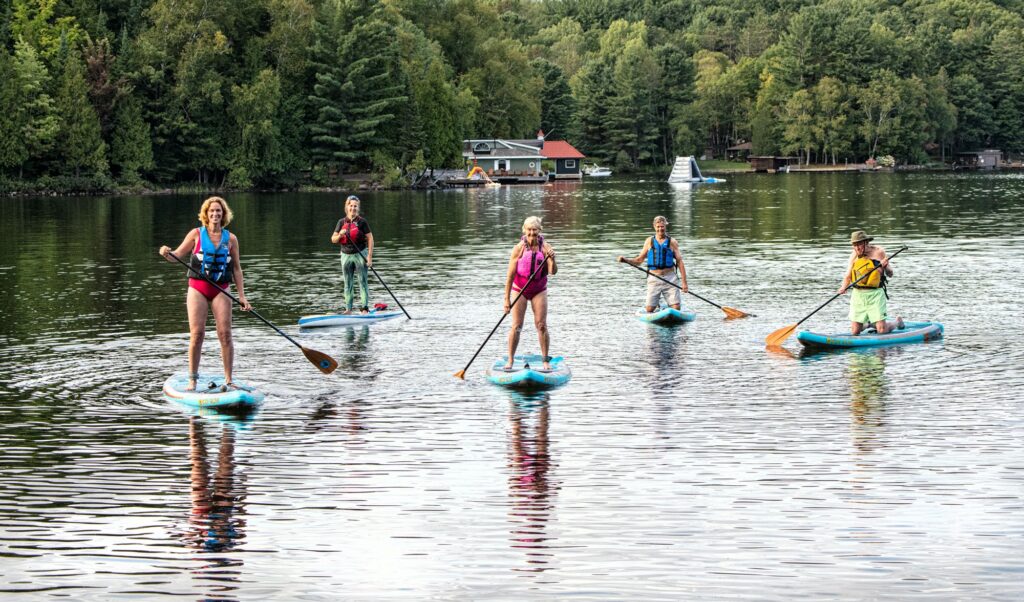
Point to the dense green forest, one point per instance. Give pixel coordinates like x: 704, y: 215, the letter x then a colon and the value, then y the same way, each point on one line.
x: 280, y: 93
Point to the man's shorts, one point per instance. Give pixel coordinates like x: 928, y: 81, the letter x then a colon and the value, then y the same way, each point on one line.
x: 657, y: 289
x: 868, y: 305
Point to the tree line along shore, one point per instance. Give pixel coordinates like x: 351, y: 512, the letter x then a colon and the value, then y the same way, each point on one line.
x: 133, y: 95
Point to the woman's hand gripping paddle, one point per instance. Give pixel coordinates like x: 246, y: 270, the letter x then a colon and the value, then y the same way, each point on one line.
x: 776, y: 338
x: 322, y: 361
x: 729, y: 311
x: 461, y: 374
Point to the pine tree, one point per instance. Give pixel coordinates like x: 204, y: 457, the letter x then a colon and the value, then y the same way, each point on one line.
x: 131, y: 147
x: 37, y: 116
x: 12, y: 148
x: 81, y: 143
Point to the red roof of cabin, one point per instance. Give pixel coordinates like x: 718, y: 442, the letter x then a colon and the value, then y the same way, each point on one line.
x: 560, y: 149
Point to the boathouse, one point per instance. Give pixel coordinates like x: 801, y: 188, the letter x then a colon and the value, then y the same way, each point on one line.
x: 772, y: 164
x: 982, y: 159
x: 568, y: 160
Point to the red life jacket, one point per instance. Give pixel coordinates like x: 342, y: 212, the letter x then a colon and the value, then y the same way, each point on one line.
x: 350, y: 234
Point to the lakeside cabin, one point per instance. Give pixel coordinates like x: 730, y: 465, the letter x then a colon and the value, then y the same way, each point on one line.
x: 519, y: 161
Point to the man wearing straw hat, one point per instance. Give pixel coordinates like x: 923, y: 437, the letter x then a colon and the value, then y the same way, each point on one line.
x: 869, y: 302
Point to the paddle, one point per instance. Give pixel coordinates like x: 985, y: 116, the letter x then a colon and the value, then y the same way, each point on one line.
x: 388, y: 289
x: 322, y: 361
x: 729, y: 311
x: 462, y: 373
x: 780, y: 335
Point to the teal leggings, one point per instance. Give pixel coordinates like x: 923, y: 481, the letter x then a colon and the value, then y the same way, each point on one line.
x: 353, y: 265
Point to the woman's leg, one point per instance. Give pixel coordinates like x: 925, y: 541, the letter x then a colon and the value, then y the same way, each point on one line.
x: 198, y: 307
x: 364, y: 286
x: 518, y: 315
x: 348, y: 278
x: 221, y: 306
x: 540, y: 320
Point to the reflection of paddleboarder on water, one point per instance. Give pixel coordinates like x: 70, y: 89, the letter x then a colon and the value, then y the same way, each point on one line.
x: 529, y: 461
x: 216, y: 502
x: 865, y: 374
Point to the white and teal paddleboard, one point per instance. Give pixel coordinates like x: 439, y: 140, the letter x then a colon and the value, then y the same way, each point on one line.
x: 210, y: 393
x: 527, y: 373
x: 665, y: 315
x: 353, y: 319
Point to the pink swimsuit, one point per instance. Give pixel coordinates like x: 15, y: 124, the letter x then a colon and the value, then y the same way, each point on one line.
x: 528, y: 262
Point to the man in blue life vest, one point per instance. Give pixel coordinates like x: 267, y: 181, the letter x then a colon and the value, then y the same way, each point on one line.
x: 869, y: 302
x: 356, y: 240
x: 663, y: 259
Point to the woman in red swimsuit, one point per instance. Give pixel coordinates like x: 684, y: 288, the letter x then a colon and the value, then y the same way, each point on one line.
x: 529, y: 255
x: 215, y: 252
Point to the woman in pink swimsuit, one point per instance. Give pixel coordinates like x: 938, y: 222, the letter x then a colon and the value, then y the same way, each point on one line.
x: 215, y: 252
x: 530, y: 253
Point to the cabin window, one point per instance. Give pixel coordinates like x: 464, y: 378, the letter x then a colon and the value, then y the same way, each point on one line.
x: 481, y: 147
x: 570, y: 163
x: 501, y: 164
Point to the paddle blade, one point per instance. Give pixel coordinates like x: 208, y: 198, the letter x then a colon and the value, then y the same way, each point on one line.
x: 322, y: 361
x: 780, y: 335
x: 731, y: 313
x: 461, y: 375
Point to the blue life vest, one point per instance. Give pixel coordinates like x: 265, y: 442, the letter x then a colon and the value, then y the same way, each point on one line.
x: 214, y: 261
x: 660, y: 256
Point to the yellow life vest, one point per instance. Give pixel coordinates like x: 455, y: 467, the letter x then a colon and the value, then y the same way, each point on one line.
x: 863, y: 265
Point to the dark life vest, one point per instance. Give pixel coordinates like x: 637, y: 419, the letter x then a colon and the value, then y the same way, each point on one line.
x: 213, y: 261
x: 660, y: 256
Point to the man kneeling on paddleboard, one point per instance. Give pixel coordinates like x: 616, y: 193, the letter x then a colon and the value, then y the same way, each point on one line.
x: 663, y: 258
x: 869, y: 302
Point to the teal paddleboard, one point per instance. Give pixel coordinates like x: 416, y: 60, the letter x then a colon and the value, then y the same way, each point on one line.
x: 210, y: 393
x: 912, y: 332
x: 665, y: 315
x: 527, y: 373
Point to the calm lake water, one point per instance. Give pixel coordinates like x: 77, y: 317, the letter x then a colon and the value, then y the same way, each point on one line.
x: 679, y: 463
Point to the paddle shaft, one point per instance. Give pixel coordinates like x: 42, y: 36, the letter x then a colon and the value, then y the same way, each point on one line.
x: 502, y: 319
x: 837, y: 295
x: 235, y: 299
x: 387, y: 289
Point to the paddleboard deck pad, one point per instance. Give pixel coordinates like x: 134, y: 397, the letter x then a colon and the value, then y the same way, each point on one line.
x: 210, y: 393
x: 665, y: 315
x: 353, y: 319
x: 527, y: 373
x: 912, y: 332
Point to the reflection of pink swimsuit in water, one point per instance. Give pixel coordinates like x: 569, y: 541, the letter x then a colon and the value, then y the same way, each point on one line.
x: 205, y: 288
x: 527, y: 263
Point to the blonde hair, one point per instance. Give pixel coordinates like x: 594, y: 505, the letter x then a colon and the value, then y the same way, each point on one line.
x: 531, y: 222
x: 204, y: 211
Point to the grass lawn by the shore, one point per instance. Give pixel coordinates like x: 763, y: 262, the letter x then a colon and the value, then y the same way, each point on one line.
x: 720, y: 165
